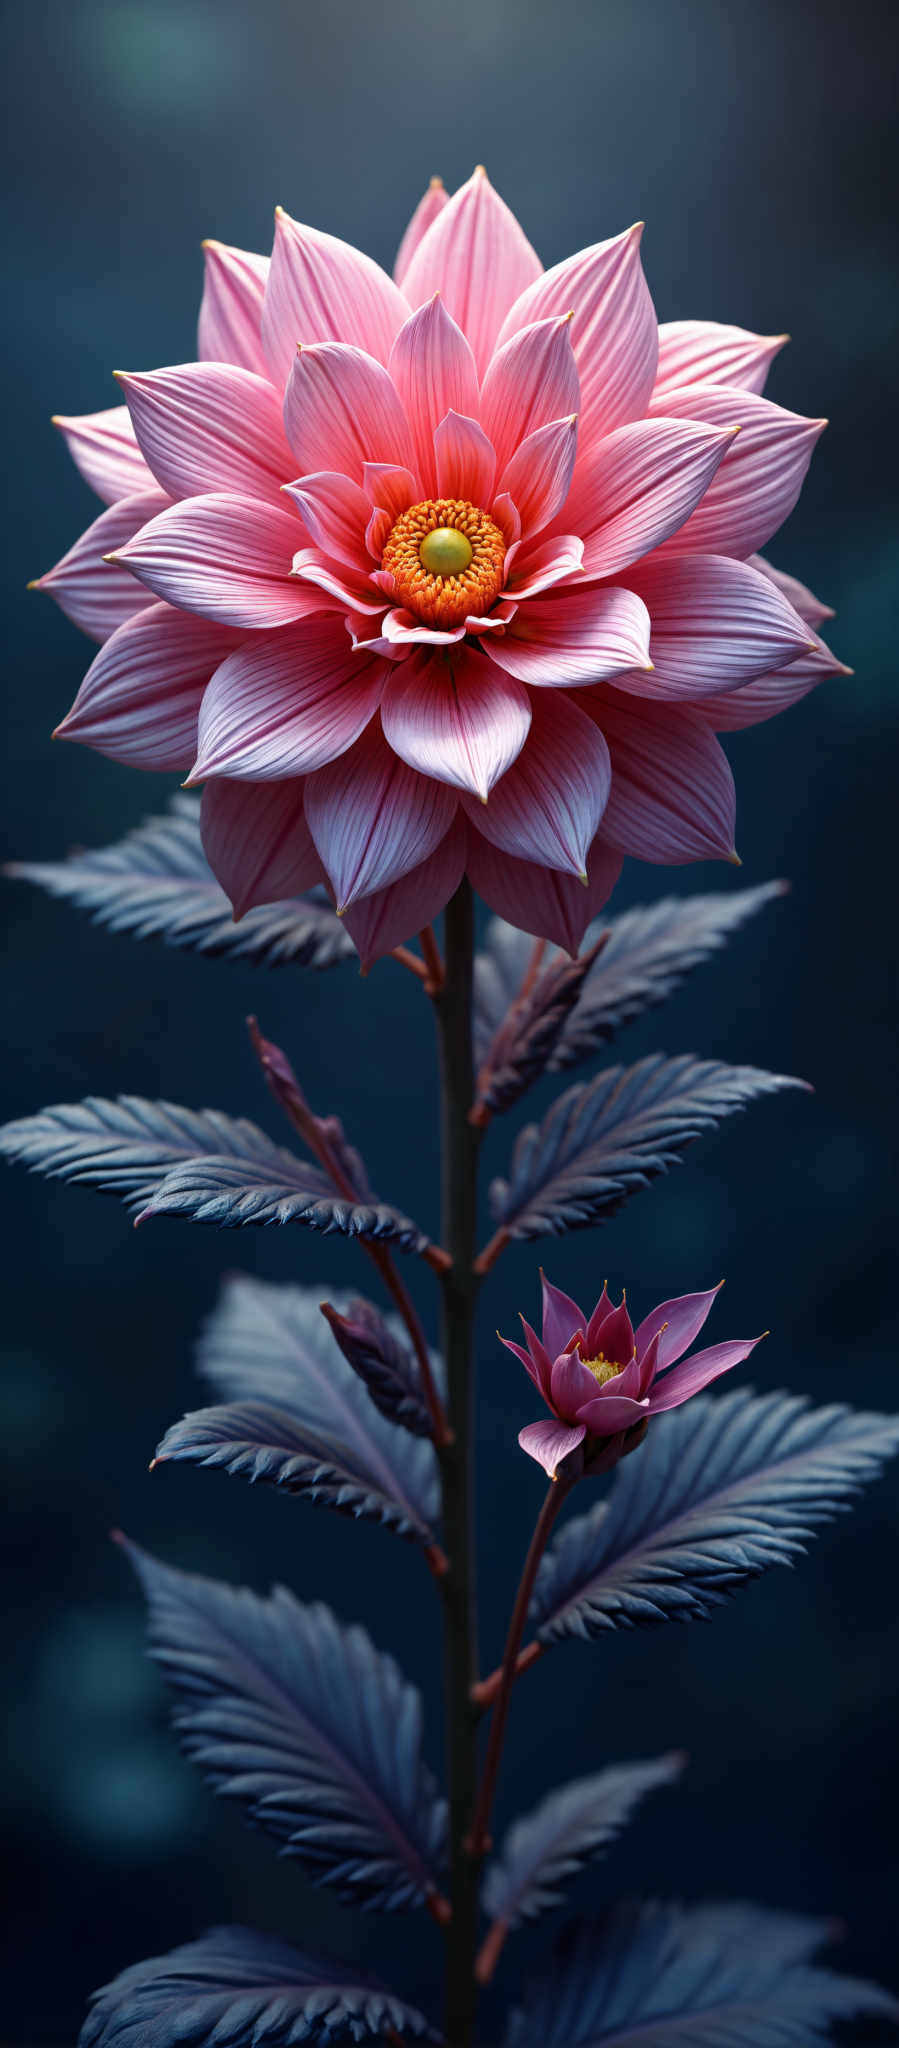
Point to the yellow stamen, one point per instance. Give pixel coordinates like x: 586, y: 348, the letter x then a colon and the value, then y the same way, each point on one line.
x: 602, y: 1369
x: 446, y: 558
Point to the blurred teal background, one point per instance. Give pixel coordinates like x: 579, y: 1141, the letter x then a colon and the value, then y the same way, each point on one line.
x: 757, y: 142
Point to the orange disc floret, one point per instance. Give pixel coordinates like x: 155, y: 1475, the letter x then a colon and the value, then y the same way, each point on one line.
x: 444, y: 600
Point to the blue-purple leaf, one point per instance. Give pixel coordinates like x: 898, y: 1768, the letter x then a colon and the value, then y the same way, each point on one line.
x: 521, y: 1048
x: 157, y: 883
x: 604, y: 1139
x: 670, y: 1976
x: 720, y: 1489
x: 374, y: 1347
x: 297, y: 1415
x: 237, y: 1989
x: 314, y: 1731
x: 568, y: 1830
x: 647, y: 953
x: 165, y: 1160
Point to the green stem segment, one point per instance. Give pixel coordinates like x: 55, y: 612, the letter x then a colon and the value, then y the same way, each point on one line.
x: 460, y: 1146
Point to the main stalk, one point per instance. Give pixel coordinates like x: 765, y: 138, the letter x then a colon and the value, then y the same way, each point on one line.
x: 460, y: 1143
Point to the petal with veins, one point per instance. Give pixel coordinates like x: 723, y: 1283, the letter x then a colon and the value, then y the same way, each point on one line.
x: 574, y: 637
x: 373, y: 818
x: 287, y: 702
x: 570, y: 1385
x: 705, y: 352
x: 531, y: 380
x: 548, y: 805
x: 227, y: 558
x: 540, y: 900
x: 550, y: 1443
x: 321, y: 289
x: 257, y: 842
x: 393, y: 489
x: 535, y: 566
x: 347, y: 586
x: 803, y: 600
x: 715, y: 623
x: 609, y: 1413
x: 760, y: 477
x: 676, y: 1323
x: 432, y: 203
x: 697, y: 1372
x: 209, y: 427
x: 638, y: 486
x: 766, y: 696
x: 341, y: 410
x: 561, y: 1317
x: 230, y: 329
x: 613, y: 333
x: 337, y: 512
x: 103, y: 447
x: 465, y: 461
x: 96, y: 593
x: 391, y: 916
x: 434, y: 372
x: 451, y: 716
x: 140, y: 699
x: 672, y: 798
x: 538, y: 476
x: 477, y: 257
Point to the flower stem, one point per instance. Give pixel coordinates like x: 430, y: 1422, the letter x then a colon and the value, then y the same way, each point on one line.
x: 479, y: 1838
x: 460, y: 1145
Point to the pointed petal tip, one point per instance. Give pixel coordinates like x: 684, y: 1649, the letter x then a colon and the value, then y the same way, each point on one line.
x: 734, y: 858
x: 436, y: 183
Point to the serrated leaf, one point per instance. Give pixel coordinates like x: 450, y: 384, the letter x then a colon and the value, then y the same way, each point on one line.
x: 165, y: 1160
x: 312, y: 1729
x: 604, y: 1139
x: 245, y: 1989
x: 721, y: 1489
x: 297, y: 1416
x: 677, y: 1977
x: 646, y: 955
x: 374, y: 1348
x: 569, y: 1829
x: 521, y: 1048
x: 157, y: 883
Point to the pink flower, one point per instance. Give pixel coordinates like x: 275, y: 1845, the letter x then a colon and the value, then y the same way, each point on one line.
x: 451, y: 572
x: 601, y: 1377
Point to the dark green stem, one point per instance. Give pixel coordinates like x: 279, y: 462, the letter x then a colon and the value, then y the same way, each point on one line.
x: 460, y: 1144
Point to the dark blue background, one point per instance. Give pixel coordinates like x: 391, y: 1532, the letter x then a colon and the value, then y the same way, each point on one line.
x: 755, y: 141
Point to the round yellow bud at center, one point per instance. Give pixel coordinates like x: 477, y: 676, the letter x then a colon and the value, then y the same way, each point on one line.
x: 445, y: 551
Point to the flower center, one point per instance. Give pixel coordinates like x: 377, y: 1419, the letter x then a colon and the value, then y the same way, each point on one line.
x: 602, y: 1368
x: 446, y: 558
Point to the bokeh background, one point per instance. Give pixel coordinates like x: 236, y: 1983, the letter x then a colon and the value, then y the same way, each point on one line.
x: 755, y: 140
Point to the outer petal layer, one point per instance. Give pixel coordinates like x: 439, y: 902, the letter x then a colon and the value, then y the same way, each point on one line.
x: 103, y: 447
x: 432, y: 203
x: 549, y: 804
x: 321, y: 289
x: 391, y: 916
x: 209, y: 427
x: 140, y: 699
x: 96, y: 593
x: 704, y: 352
x: 761, y: 476
x: 539, y: 899
x: 230, y: 328
x: 550, y: 1443
x: 373, y: 819
x: 476, y: 256
x: 638, y: 486
x: 676, y: 1323
x: 285, y: 703
x: 227, y: 558
x: 697, y: 1372
x: 257, y: 842
x: 672, y: 798
x: 715, y: 623
x: 450, y: 715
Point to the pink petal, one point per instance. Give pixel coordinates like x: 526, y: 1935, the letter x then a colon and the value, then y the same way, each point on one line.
x: 476, y: 256
x: 803, y: 600
x: 576, y: 637
x: 506, y: 516
x: 550, y: 1443
x: 426, y: 211
x: 341, y: 410
x: 539, y: 899
x: 209, y: 427
x: 677, y: 1323
x: 704, y: 352
x: 600, y: 1315
x: 538, y: 565
x: 570, y: 1386
x: 609, y: 1412
x: 348, y: 586
x: 230, y: 329
x: 562, y: 1318
x: 337, y: 513
x: 614, y: 1336
x: 227, y: 558
x: 434, y: 372
x: 287, y: 702
x: 451, y: 716
x: 321, y: 289
x: 715, y: 623
x: 767, y: 696
x: 638, y: 486
x: 613, y: 333
x: 391, y: 916
x: 548, y: 805
x: 538, y: 476
x: 465, y: 464
x: 392, y: 488
x: 404, y: 629
x: 103, y: 448
x: 257, y: 842
x: 97, y: 594
x: 761, y: 476
x: 373, y: 818
x: 697, y: 1372
x: 672, y: 798
x: 535, y: 1359
x: 531, y: 380
x: 140, y: 699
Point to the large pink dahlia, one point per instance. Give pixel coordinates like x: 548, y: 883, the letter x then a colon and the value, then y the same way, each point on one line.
x: 450, y: 572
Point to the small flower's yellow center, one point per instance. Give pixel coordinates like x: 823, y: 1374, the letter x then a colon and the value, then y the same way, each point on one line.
x: 602, y: 1369
x: 446, y: 558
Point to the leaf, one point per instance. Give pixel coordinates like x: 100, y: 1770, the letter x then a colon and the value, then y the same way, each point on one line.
x: 245, y: 1989
x: 721, y: 1489
x: 646, y: 955
x: 157, y: 883
x: 309, y: 1726
x: 373, y: 1346
x: 298, y: 1417
x: 164, y: 1160
x: 521, y: 1048
x: 567, y: 1830
x: 670, y: 1976
x: 604, y: 1139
